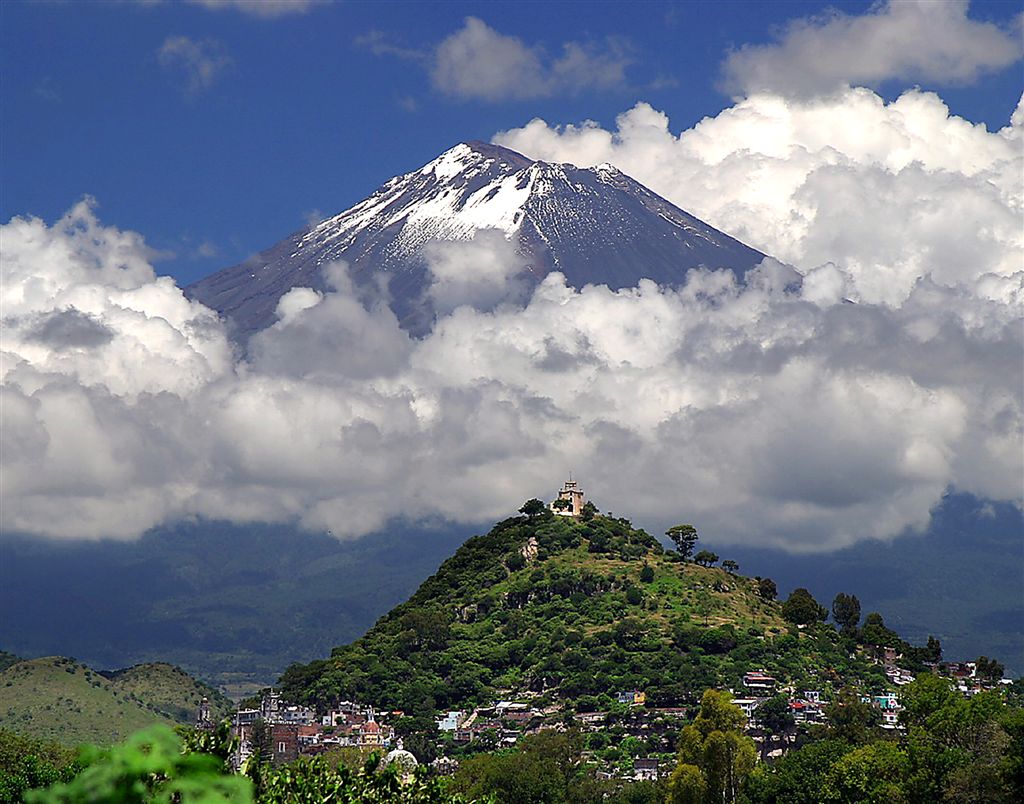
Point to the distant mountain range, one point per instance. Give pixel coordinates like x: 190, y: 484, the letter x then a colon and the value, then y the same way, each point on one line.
x: 595, y: 225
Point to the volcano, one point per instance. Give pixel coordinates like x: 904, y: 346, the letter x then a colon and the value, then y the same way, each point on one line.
x: 594, y: 225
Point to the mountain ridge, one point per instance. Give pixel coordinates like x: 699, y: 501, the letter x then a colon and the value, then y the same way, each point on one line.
x: 595, y: 225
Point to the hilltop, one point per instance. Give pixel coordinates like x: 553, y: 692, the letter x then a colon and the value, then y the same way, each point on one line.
x: 571, y: 611
x: 60, y: 699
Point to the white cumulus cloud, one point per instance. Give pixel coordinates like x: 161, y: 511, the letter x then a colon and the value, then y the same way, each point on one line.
x: 887, y: 191
x: 808, y: 414
x: 910, y: 40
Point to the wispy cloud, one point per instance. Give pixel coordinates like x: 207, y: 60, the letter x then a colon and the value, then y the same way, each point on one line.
x: 913, y: 40
x: 199, y: 62
x: 266, y: 9
x: 380, y: 44
x: 477, y: 62
x: 46, y: 90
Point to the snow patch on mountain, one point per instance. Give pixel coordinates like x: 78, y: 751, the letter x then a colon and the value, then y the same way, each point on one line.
x: 595, y: 225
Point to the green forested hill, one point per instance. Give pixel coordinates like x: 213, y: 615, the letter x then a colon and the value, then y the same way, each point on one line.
x: 57, y: 698
x: 169, y: 690
x: 576, y: 611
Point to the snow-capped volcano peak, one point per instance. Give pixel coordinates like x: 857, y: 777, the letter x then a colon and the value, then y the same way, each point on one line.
x: 596, y: 225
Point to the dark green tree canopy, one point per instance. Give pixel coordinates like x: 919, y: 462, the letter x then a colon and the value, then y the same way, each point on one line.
x: 802, y: 609
x: 846, y: 611
x: 533, y: 508
x: 706, y: 558
x: 684, y: 537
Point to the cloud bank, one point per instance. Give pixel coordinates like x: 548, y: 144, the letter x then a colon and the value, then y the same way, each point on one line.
x: 775, y: 412
x: 910, y: 40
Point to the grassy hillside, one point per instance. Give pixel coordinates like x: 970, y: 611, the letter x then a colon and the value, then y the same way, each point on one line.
x: 574, y: 611
x: 169, y: 690
x: 59, y: 699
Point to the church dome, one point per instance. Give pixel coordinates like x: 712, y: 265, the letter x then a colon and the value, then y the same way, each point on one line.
x: 405, y: 761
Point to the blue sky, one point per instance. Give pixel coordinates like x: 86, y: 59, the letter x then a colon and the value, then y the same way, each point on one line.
x: 249, y: 122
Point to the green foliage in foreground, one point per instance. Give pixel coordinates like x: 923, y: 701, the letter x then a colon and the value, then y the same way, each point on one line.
x: 28, y: 762
x: 157, y: 765
x: 149, y: 766
x: 715, y: 757
x: 955, y: 750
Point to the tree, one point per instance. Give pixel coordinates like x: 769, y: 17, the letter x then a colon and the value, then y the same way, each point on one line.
x: 687, y: 785
x: 149, y: 766
x: 775, y: 717
x: 767, y: 589
x: 852, y: 720
x: 588, y: 512
x: 706, y: 558
x: 871, y: 773
x: 684, y: 537
x: 730, y: 566
x: 802, y: 609
x: 876, y: 634
x: 797, y: 777
x: 29, y: 762
x: 533, y: 508
x: 714, y: 755
x: 562, y: 504
x: 260, y: 742
x: 646, y: 574
x: 705, y: 604
x: 540, y: 771
x: 988, y: 669
x: 846, y: 612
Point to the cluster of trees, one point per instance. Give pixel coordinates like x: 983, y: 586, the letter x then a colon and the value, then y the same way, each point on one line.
x: 800, y: 608
x: 545, y: 768
x: 685, y: 538
x: 955, y: 749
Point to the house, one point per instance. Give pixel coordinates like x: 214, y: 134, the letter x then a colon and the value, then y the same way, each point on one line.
x: 450, y: 722
x: 758, y: 680
x: 748, y: 705
x: 284, y: 743
x: 570, y: 500
x: 645, y: 769
x: 370, y: 733
x: 632, y: 697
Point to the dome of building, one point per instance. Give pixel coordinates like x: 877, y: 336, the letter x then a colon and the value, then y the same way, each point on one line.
x: 405, y: 762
